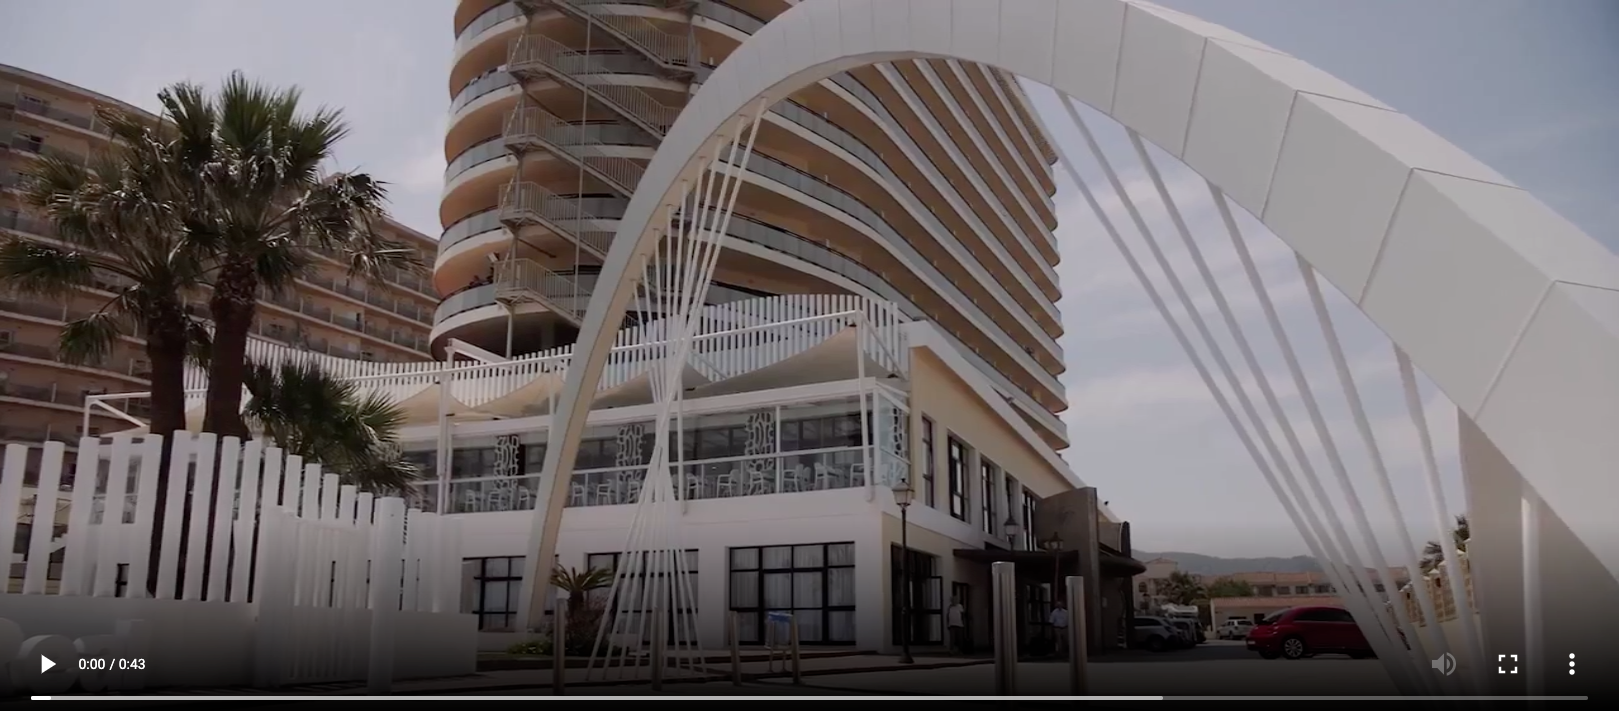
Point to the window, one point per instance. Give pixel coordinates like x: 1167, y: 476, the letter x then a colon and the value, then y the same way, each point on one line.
x: 813, y: 582
x: 925, y: 596
x: 957, y: 453
x: 1030, y: 502
x: 1304, y: 590
x: 496, y: 584
x: 986, y: 491
x: 929, y: 466
x: 683, y: 597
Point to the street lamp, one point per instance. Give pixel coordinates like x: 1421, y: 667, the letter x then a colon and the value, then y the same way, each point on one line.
x: 902, y: 496
x: 1011, y: 528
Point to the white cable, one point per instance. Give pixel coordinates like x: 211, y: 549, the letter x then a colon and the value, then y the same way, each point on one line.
x: 1436, y: 496
x: 1436, y: 637
x: 1180, y: 337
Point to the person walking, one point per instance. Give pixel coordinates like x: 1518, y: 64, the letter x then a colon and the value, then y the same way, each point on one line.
x: 1059, y: 627
x: 956, y: 620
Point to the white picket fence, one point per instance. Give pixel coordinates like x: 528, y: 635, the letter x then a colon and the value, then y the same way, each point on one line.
x: 263, y: 529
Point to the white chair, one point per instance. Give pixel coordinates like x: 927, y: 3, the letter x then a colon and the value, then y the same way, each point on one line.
x: 473, y: 502
x: 857, y: 474
x: 823, y: 477
x: 632, y: 491
x: 525, y: 498
x: 606, y: 494
x: 760, y: 481
x: 578, y: 494
x: 694, y: 486
x: 725, y: 484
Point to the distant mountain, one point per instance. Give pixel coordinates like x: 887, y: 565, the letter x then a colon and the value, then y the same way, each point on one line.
x: 1212, y: 565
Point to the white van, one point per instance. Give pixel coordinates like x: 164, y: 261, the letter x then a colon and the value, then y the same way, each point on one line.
x: 1235, y: 629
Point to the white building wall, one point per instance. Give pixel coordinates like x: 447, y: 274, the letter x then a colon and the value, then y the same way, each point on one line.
x: 712, y: 527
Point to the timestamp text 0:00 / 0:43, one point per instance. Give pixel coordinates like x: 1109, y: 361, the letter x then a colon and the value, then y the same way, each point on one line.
x: 101, y: 664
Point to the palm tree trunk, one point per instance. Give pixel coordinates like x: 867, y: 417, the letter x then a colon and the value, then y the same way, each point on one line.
x: 232, y: 309
x: 166, y: 349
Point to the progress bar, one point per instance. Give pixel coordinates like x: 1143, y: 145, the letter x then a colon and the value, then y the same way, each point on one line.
x: 682, y: 697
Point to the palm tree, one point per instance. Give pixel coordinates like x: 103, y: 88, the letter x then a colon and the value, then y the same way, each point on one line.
x: 1433, y: 554
x: 252, y: 164
x: 584, y: 609
x: 1183, y: 589
x: 311, y: 413
x: 123, y: 224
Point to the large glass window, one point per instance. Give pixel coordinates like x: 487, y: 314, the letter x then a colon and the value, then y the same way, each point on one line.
x: 986, y: 491
x: 929, y: 465
x: 815, y: 583
x: 492, y: 591
x: 925, y: 592
x: 681, y: 594
x: 957, y: 462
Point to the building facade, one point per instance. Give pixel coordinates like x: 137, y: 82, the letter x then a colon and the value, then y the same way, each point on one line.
x: 922, y: 190
x: 42, y: 398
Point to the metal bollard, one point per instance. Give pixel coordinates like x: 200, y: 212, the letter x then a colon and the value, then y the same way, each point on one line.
x: 1003, y: 577
x: 733, y: 627
x: 559, y: 645
x: 1078, y: 643
x: 792, y: 642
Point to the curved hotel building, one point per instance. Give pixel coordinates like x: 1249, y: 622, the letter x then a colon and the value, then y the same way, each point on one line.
x: 915, y: 196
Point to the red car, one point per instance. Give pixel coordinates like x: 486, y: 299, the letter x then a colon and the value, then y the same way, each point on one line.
x: 1300, y: 632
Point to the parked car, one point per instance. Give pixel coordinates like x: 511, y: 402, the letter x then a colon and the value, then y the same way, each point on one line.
x: 1190, y: 630
x: 1300, y: 632
x: 1234, y: 629
x: 1152, y: 634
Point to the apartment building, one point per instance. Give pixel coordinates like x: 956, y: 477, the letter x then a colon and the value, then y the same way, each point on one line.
x: 917, y: 195
x: 42, y: 398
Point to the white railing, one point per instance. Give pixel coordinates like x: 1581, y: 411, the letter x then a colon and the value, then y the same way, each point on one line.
x: 638, y: 32
x: 255, y: 526
x: 528, y: 280
x: 582, y: 145
x: 534, y: 52
x: 532, y: 203
x: 732, y: 339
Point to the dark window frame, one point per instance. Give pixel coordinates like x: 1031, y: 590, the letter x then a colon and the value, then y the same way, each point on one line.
x: 758, y: 607
x: 482, y: 577
x: 930, y: 466
x: 956, y: 463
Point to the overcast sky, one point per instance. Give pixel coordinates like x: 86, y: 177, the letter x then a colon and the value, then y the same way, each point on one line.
x: 1528, y: 86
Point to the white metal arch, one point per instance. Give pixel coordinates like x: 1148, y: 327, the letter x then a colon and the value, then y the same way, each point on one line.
x: 1509, y: 308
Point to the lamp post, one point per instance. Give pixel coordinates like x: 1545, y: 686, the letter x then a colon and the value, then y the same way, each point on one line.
x: 1053, y: 545
x: 1011, y: 528
x: 902, y: 496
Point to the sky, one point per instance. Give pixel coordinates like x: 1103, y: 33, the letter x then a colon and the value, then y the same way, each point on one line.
x: 1527, y: 86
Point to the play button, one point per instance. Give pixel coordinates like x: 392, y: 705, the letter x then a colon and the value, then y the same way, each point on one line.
x: 45, y: 664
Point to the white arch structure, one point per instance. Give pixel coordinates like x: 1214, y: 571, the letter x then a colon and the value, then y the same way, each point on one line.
x: 1507, y: 307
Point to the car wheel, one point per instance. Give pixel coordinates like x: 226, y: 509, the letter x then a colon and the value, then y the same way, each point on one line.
x: 1293, y: 648
x: 1155, y: 644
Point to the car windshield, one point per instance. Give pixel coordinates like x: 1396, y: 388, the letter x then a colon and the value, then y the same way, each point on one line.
x: 1273, y: 618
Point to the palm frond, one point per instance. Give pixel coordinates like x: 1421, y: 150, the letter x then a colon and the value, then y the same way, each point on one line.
x: 90, y: 339
x: 317, y: 415
x: 33, y: 268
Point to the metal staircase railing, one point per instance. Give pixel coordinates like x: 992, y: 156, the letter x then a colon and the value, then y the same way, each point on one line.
x: 670, y: 51
x: 524, y: 203
x: 532, y: 54
x: 526, y: 281
x: 529, y: 127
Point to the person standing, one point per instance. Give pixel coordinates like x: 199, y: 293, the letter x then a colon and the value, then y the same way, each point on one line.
x: 1059, y: 627
x: 956, y: 620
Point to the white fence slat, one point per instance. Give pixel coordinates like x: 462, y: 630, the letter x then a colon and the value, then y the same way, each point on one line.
x: 291, y: 479
x: 268, y: 501
x: 387, y: 553
x: 101, y: 543
x: 428, y: 567
x: 273, y: 597
x: 247, y: 516
x: 230, y: 461
x: 202, y: 489
x: 412, y: 571
x: 330, y: 489
x: 11, y: 500
x: 168, y: 563
x: 77, y: 559
x: 140, y: 563
x: 47, y: 497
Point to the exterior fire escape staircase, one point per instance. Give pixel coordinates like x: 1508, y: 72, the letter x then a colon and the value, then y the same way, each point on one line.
x: 530, y: 128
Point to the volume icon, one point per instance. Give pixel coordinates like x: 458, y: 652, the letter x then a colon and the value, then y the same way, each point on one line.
x: 1444, y: 664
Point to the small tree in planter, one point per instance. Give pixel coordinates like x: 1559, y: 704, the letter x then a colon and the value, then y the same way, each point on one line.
x: 585, y: 609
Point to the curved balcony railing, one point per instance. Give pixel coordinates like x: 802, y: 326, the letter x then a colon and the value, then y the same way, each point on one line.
x: 525, y: 203
x: 489, y: 81
x: 609, y: 208
x: 536, y: 55
x: 481, y: 296
x: 588, y: 146
x: 477, y: 154
x: 487, y: 19
x: 633, y: 30
x: 717, y: 11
